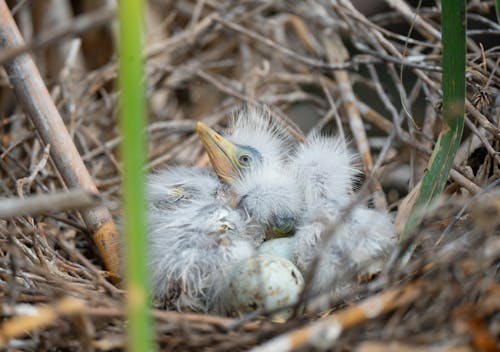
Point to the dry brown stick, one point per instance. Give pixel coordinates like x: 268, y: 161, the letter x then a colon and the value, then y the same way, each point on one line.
x: 98, y: 143
x: 374, y: 117
x: 464, y: 182
x: 412, y: 17
x: 323, y: 333
x: 178, y: 317
x: 481, y: 119
x: 304, y: 34
x: 336, y: 52
x: 32, y: 94
x: 40, y: 165
x: 408, y: 61
x: 38, y: 318
x: 47, y: 203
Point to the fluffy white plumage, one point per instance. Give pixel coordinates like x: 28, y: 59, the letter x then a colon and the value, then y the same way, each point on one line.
x: 268, y: 190
x: 272, y: 198
x: 359, y: 244
x: 325, y: 168
x: 194, y: 238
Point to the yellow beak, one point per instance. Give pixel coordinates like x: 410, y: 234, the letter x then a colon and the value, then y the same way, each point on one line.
x: 222, y: 153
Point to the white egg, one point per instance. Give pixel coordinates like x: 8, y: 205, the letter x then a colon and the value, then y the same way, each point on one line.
x: 281, y: 247
x: 264, y: 282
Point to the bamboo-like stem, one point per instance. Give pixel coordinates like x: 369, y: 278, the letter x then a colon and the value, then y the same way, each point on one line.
x: 440, y: 163
x: 133, y: 153
x: 35, y: 99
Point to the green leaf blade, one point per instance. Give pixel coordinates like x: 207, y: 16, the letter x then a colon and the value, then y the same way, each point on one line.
x: 441, y: 161
x: 134, y: 155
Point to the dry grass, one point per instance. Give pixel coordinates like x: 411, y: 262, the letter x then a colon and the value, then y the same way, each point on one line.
x: 205, y: 58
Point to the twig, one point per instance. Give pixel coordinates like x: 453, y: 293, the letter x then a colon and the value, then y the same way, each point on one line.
x: 464, y: 181
x: 481, y: 119
x: 38, y: 167
x: 333, y: 112
x: 47, y: 203
x: 410, y: 16
x: 374, y: 117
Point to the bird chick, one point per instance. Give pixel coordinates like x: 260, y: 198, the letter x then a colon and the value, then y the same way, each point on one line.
x: 252, y: 159
x: 324, y: 166
x: 194, y: 239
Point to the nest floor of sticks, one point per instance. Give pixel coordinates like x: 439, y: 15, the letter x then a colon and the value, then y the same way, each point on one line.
x: 368, y: 71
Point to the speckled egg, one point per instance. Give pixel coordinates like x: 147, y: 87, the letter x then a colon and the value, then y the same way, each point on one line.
x: 264, y: 281
x: 281, y: 247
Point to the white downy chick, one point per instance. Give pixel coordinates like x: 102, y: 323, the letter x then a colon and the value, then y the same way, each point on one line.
x: 363, y: 238
x: 194, y: 239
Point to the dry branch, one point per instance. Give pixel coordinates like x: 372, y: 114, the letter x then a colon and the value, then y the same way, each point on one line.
x: 47, y: 203
x: 37, y: 102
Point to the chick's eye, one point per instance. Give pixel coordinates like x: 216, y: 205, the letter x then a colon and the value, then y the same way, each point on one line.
x: 245, y: 159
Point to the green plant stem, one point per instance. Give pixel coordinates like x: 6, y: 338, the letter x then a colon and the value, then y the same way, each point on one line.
x: 440, y: 163
x: 497, y: 7
x: 133, y: 154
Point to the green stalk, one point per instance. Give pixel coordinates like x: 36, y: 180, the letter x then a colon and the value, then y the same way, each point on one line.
x: 440, y: 163
x: 133, y: 154
x: 497, y: 3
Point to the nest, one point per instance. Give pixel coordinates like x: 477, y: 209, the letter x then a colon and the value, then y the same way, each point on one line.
x: 326, y: 65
